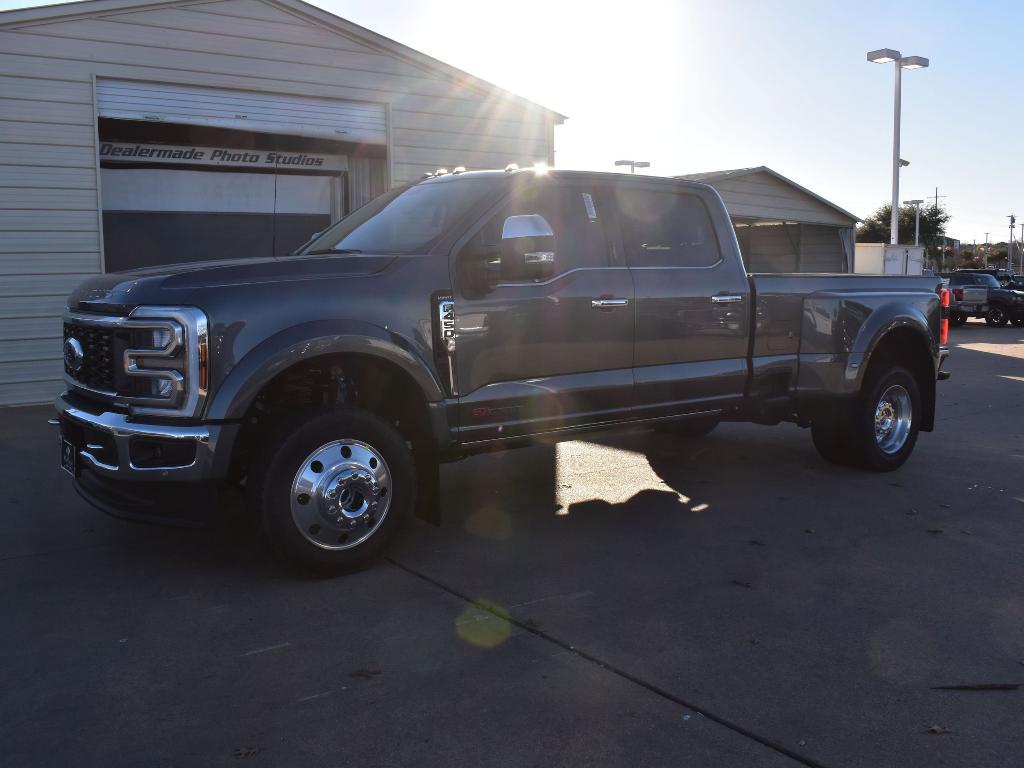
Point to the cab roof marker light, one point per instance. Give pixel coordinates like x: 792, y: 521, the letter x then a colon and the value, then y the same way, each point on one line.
x: 511, y: 167
x: 459, y: 169
x: 440, y: 171
x: 540, y: 168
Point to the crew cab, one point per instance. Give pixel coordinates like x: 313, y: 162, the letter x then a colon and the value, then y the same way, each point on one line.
x: 467, y: 312
x: 977, y: 293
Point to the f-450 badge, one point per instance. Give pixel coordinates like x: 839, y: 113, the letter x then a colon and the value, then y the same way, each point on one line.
x: 444, y: 348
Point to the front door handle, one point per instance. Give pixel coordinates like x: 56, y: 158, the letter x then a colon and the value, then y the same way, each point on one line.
x: 608, y: 303
x: 731, y: 298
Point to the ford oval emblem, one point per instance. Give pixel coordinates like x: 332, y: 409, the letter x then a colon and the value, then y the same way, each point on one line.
x: 74, y: 355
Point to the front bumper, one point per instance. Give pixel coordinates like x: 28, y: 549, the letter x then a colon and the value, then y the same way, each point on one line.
x: 115, y: 447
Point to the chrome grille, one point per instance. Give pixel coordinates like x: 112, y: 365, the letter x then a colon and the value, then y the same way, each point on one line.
x: 98, y: 358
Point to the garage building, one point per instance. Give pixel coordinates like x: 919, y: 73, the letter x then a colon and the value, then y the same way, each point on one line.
x: 141, y: 132
x: 782, y: 226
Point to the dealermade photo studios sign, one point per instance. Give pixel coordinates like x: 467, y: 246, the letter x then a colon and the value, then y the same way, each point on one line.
x: 126, y: 152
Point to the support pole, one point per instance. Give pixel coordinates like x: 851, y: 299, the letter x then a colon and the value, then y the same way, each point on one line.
x: 894, y: 236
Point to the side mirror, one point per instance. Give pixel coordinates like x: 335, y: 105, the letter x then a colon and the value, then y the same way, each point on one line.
x: 527, y: 248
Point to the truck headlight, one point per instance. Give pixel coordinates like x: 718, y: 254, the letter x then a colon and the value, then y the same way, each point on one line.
x: 166, y: 361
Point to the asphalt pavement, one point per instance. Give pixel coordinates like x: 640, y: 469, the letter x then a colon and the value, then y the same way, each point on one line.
x: 637, y: 600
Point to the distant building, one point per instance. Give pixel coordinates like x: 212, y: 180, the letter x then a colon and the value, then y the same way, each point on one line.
x: 782, y: 226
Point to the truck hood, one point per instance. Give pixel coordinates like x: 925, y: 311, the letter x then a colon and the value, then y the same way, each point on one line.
x: 120, y: 292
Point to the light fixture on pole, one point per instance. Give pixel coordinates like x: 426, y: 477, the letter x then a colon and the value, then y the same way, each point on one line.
x: 917, y: 218
x: 633, y: 164
x: 887, y: 56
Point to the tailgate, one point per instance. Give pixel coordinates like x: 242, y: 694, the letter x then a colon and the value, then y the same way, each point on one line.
x: 975, y: 295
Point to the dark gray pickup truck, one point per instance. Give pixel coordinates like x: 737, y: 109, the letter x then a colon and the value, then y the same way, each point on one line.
x: 468, y: 312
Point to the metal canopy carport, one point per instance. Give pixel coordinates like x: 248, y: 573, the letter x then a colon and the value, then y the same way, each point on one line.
x: 782, y: 226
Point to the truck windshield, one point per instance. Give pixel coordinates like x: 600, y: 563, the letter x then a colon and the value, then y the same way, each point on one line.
x: 408, y: 220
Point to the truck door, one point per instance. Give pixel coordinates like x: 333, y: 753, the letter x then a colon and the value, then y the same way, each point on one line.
x: 692, y: 300
x: 549, y: 350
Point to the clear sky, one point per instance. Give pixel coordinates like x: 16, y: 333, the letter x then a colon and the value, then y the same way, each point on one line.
x: 697, y: 85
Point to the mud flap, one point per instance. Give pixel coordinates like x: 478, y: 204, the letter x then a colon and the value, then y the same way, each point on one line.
x: 428, y: 488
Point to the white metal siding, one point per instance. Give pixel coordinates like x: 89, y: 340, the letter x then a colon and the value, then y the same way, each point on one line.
x: 764, y: 197
x: 48, y: 167
x: 242, y: 110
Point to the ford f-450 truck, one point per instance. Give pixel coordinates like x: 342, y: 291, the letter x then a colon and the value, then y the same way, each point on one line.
x: 466, y: 312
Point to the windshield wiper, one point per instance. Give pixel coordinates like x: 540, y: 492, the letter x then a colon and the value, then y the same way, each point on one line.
x: 324, y: 251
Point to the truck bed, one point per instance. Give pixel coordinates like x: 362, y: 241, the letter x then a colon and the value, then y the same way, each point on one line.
x: 809, y: 331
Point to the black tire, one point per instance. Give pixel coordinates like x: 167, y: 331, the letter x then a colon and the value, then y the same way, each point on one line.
x: 273, y: 474
x: 1018, y: 322
x: 997, y: 316
x: 865, y: 449
x: 958, y: 319
x: 697, y: 427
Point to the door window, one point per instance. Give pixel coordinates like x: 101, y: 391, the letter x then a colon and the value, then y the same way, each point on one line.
x: 574, y: 215
x: 666, y: 229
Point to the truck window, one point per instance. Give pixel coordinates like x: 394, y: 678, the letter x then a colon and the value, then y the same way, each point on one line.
x: 406, y: 221
x: 666, y: 229
x: 575, y: 215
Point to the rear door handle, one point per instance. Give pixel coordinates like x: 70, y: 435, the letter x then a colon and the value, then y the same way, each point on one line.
x: 731, y: 298
x: 608, y: 303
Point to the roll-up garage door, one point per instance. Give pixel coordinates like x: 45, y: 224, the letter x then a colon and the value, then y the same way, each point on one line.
x: 164, y: 216
x: 353, y: 121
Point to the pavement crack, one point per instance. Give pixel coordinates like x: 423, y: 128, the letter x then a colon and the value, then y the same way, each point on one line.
x: 645, y: 684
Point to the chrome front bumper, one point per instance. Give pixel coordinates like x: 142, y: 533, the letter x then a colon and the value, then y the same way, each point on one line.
x: 122, y: 432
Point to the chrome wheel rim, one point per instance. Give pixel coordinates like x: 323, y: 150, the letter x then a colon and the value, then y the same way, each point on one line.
x: 341, y: 494
x: 996, y: 314
x: 893, y: 417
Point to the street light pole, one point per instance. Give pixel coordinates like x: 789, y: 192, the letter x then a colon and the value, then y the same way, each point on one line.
x: 917, y: 218
x: 986, y: 250
x: 885, y: 56
x: 894, y: 225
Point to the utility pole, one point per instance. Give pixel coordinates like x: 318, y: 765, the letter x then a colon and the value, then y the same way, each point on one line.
x: 1009, y: 245
x: 1022, y: 249
x: 986, y: 250
x: 942, y: 247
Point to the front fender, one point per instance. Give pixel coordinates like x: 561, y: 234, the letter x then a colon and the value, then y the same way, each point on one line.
x: 303, y: 342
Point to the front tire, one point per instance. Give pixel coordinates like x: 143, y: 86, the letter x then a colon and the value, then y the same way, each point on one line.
x: 997, y: 316
x: 957, y: 319
x: 333, y: 488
